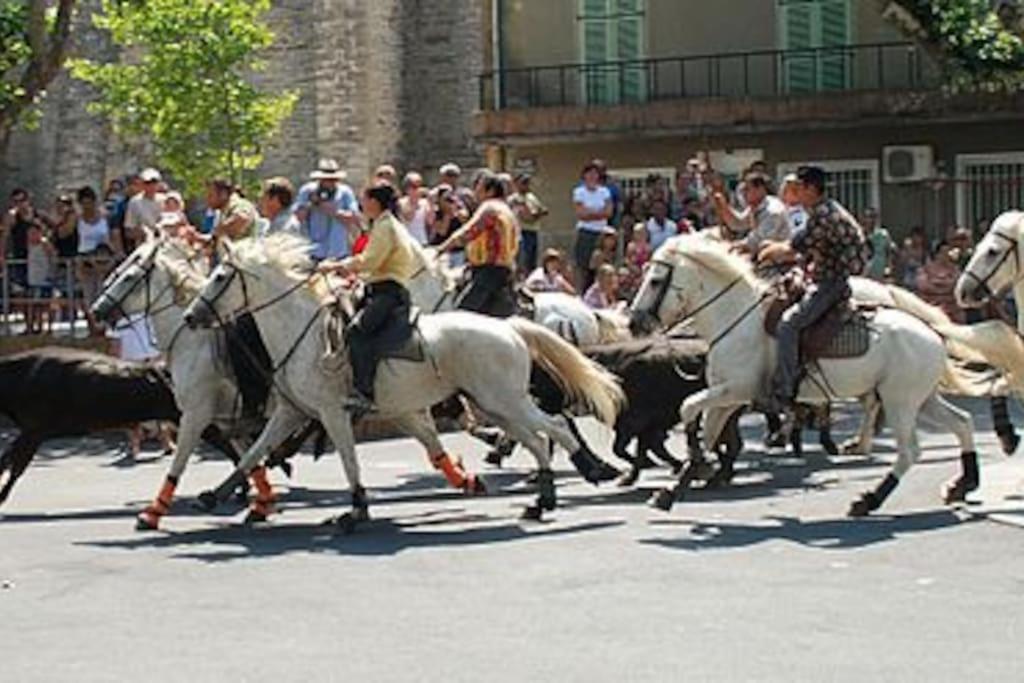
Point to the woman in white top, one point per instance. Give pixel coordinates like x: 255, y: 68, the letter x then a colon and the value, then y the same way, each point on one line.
x: 414, y: 209
x: 593, y: 202
x: 95, y: 255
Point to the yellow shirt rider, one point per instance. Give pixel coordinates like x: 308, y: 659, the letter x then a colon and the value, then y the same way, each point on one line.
x: 387, y: 264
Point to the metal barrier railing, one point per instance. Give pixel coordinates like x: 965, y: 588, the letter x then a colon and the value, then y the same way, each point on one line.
x: 65, y: 293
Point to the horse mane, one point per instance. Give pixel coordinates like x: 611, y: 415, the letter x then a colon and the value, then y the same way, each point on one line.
x: 713, y: 255
x: 287, y: 253
x: 188, y: 272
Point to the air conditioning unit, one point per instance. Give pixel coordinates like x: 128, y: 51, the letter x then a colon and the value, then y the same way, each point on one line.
x: 908, y: 163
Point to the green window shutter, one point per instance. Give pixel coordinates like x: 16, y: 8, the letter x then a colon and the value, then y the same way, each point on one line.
x: 633, y: 80
x: 596, y: 52
x: 799, y: 69
x: 834, y: 22
x: 594, y: 8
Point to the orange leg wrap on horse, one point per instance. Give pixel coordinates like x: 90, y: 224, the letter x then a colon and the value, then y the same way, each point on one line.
x: 264, y: 491
x: 453, y: 471
x: 161, y: 505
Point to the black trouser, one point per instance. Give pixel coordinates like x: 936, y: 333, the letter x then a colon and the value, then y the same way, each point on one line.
x: 384, y: 301
x: 489, y: 292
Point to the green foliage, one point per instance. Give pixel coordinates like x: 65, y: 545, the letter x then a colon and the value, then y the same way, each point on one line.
x: 975, y: 47
x: 14, y: 49
x: 185, y: 84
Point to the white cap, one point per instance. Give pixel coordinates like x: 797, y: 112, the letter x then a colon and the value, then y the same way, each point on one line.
x: 450, y: 169
x: 150, y: 175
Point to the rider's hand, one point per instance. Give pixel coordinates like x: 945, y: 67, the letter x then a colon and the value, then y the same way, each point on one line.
x: 773, y: 252
x: 333, y: 267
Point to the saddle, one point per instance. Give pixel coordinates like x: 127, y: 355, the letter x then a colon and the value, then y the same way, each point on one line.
x: 844, y: 332
x: 399, y: 339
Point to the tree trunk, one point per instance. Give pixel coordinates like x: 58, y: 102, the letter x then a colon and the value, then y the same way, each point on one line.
x: 48, y: 51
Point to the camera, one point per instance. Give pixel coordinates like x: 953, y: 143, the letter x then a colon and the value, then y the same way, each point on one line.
x: 323, y: 194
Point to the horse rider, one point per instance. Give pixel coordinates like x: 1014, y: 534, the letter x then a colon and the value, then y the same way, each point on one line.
x: 250, y: 361
x: 491, y: 237
x: 765, y: 218
x: 387, y: 264
x: 833, y: 249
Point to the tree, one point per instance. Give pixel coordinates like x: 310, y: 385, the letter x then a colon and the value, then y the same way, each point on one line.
x: 185, y: 84
x: 34, y: 38
x: 976, y: 46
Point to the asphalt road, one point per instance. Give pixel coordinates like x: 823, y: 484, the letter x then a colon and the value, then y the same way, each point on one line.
x: 766, y: 581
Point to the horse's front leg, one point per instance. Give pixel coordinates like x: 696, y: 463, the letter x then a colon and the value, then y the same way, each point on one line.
x: 714, y: 398
x: 190, y: 429
x: 338, y: 424
x: 283, y: 421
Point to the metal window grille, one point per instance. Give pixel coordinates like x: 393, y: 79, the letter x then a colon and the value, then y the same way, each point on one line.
x: 853, y: 183
x: 988, y: 185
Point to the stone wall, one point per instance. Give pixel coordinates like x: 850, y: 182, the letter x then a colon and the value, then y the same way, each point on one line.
x: 383, y: 81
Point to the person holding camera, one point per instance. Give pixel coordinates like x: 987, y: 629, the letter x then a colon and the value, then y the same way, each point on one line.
x: 328, y: 211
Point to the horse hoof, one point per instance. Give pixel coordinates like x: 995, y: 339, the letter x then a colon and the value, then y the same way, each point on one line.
x: 663, y: 500
x: 476, y: 486
x: 860, y: 508
x: 850, y: 447
x: 206, y: 501
x: 830, y: 447
x: 144, y: 522
x: 628, y: 480
x: 703, y: 471
x: 721, y: 479
x: 253, y: 518
x: 348, y: 522
x: 286, y: 467
x: 504, y: 447
x: 956, y: 491
x: 494, y: 458
x: 532, y: 513
x: 607, y: 472
x: 1009, y: 442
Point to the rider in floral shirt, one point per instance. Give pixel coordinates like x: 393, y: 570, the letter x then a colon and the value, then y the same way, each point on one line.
x: 833, y: 248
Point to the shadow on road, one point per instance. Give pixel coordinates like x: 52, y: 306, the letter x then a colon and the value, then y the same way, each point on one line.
x: 384, y: 537
x: 830, y: 534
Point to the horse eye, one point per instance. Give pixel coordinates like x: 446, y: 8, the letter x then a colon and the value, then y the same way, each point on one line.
x: 993, y: 252
x: 219, y: 277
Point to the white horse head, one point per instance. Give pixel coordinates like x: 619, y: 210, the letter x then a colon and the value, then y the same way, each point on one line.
x: 996, y: 264
x: 687, y: 274
x: 252, y: 272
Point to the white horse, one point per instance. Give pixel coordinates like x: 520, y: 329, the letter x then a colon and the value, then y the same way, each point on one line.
x: 996, y: 267
x: 158, y: 280
x: 695, y: 278
x: 488, y: 360
x: 432, y: 289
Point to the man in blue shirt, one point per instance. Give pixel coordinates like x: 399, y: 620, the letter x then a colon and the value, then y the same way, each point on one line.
x: 328, y: 211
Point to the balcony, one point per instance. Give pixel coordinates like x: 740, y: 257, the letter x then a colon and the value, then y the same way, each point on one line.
x: 726, y: 95
x: 759, y: 74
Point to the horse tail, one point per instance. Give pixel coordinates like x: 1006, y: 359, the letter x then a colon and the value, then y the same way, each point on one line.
x: 610, y: 328
x: 581, y: 379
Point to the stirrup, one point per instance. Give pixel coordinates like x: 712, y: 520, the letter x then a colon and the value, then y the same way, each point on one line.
x: 358, y: 405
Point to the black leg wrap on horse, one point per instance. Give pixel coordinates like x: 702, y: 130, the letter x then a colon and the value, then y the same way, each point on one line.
x: 884, y: 489
x: 360, y: 501
x: 969, y: 461
x: 224, y: 491
x: 872, y: 500
x: 547, y: 499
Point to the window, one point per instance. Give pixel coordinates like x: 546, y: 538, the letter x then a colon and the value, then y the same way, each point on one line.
x: 634, y: 180
x: 611, y: 45
x: 813, y: 33
x: 853, y: 182
x: 988, y: 185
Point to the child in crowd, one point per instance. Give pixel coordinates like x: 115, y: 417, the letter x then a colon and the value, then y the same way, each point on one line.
x: 603, y: 255
x: 41, y: 254
x: 638, y: 254
x: 604, y: 293
x: 548, y: 277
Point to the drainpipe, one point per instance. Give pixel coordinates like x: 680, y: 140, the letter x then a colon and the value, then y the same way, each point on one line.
x: 496, y: 48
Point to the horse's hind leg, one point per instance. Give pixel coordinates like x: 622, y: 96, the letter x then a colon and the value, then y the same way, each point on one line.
x: 16, y: 459
x: 941, y: 413
x: 592, y: 467
x: 421, y: 427
x: 903, y: 418
x: 1005, y: 430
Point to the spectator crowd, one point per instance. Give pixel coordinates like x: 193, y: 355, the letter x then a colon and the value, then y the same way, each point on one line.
x: 73, y: 244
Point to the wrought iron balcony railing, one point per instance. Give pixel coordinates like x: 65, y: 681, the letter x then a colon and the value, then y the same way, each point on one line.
x: 765, y: 73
